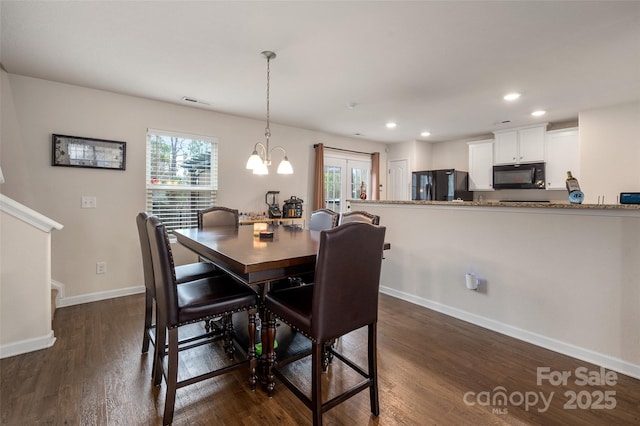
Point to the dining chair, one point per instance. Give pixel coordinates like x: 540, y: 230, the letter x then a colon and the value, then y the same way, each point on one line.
x: 359, y: 216
x: 218, y: 216
x: 183, y: 273
x: 343, y: 298
x: 323, y: 219
x: 320, y: 220
x: 194, y: 301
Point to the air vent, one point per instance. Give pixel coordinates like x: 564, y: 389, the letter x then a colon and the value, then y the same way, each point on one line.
x: 194, y: 100
x: 499, y: 122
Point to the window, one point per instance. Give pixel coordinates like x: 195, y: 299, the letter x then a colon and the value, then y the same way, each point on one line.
x: 343, y: 179
x: 182, y: 176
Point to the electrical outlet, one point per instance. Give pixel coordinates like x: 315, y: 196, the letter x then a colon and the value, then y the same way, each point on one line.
x: 101, y: 268
x: 89, y: 202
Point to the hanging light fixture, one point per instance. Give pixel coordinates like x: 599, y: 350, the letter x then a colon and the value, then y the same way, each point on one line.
x: 260, y: 159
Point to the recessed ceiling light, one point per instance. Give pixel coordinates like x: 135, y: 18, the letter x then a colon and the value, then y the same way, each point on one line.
x: 425, y: 134
x: 391, y: 125
x: 511, y: 96
x: 538, y: 113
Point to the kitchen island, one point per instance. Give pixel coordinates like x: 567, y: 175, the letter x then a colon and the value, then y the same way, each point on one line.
x: 562, y: 276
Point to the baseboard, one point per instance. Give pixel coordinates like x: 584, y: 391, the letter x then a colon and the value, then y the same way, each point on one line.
x: 101, y: 295
x: 603, y: 360
x: 60, y: 287
x: 29, y: 345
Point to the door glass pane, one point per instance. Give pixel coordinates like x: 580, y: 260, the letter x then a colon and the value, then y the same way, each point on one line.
x: 359, y: 175
x: 333, y: 187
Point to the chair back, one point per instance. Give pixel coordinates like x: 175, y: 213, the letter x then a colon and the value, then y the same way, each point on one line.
x: 218, y: 216
x: 147, y: 266
x: 345, y: 294
x: 164, y: 268
x: 323, y: 219
x: 359, y: 216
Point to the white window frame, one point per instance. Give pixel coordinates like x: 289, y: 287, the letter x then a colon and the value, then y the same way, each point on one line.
x: 175, y: 192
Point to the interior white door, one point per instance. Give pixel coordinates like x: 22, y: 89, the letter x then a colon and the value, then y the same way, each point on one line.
x: 398, y: 181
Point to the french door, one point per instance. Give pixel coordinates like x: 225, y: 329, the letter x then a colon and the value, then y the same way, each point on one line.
x: 344, y: 179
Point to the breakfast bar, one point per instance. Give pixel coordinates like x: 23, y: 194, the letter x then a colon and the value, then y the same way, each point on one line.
x: 562, y: 276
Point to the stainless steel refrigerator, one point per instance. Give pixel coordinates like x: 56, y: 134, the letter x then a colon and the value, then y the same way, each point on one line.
x: 440, y: 185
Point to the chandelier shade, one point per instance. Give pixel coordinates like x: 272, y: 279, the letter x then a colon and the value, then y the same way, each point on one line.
x: 260, y: 158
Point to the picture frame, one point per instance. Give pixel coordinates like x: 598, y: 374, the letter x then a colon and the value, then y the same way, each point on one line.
x: 78, y: 151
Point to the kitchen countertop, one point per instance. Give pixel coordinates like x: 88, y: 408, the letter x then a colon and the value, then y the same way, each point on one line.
x: 533, y: 204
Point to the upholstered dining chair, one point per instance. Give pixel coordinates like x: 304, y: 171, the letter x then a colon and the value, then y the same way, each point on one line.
x: 191, y: 302
x: 343, y: 299
x: 218, y: 216
x: 323, y: 219
x: 183, y: 273
x: 320, y: 220
x: 359, y: 216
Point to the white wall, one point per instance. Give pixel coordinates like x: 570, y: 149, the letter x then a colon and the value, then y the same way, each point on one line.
x: 33, y: 109
x: 450, y: 155
x: 610, y: 152
x: 25, y: 293
x: 566, y: 281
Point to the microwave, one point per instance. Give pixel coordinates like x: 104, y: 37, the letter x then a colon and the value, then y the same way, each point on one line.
x: 519, y: 176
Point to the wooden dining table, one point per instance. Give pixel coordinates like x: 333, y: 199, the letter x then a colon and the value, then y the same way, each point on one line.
x: 257, y: 261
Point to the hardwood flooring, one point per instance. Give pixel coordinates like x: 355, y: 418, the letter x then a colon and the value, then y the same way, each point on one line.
x: 432, y: 369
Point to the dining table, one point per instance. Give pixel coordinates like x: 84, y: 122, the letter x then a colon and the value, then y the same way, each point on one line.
x: 257, y: 259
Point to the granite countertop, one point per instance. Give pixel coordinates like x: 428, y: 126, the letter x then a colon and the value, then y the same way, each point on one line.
x: 533, y: 204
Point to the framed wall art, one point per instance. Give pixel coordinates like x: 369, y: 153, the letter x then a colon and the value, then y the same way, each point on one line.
x: 76, y: 151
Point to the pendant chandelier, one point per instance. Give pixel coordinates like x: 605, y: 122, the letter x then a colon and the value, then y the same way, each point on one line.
x: 260, y: 159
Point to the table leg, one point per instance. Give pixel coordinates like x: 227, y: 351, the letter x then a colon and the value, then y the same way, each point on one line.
x: 253, y: 360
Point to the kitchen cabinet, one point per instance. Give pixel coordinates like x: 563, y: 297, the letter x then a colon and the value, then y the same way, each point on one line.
x: 481, y: 165
x: 563, y: 154
x: 521, y: 145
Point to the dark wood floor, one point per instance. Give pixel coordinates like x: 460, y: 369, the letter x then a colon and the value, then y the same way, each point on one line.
x: 428, y: 362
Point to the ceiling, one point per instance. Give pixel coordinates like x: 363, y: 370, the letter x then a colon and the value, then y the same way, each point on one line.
x: 342, y: 67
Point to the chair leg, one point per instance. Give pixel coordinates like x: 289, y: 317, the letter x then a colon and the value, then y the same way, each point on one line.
x: 373, y: 369
x: 172, y: 377
x: 154, y: 365
x: 148, y: 310
x: 159, y: 353
x: 317, y: 360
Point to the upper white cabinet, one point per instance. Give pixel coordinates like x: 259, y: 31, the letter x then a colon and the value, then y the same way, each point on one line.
x: 481, y: 165
x: 522, y: 145
x: 563, y: 154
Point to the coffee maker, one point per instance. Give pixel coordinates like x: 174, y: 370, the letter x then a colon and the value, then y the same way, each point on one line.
x: 271, y: 199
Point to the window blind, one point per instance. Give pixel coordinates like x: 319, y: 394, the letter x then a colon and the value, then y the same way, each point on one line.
x: 181, y: 176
